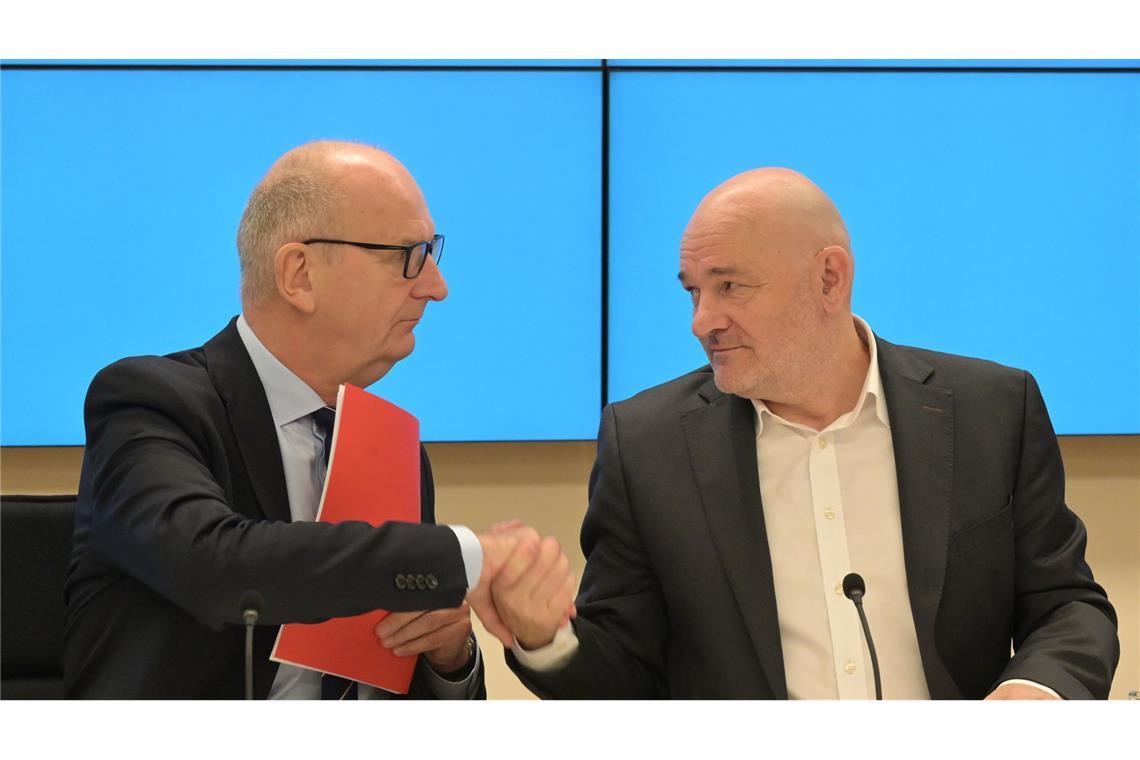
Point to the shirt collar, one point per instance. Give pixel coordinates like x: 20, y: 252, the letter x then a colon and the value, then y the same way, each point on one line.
x: 872, y: 389
x: 873, y: 383
x: 290, y: 398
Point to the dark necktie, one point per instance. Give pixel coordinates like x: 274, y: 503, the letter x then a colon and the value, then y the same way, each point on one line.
x: 324, y: 418
x: 332, y: 687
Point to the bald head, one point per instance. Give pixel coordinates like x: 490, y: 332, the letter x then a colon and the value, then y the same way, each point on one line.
x: 304, y: 194
x: 766, y: 260
x: 775, y: 210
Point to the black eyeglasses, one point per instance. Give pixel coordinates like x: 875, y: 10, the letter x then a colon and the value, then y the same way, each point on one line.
x: 414, y: 255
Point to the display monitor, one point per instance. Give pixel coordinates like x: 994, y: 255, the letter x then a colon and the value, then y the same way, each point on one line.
x: 122, y: 189
x: 992, y: 214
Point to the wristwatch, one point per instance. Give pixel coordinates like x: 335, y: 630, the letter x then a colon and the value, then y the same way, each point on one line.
x: 462, y: 673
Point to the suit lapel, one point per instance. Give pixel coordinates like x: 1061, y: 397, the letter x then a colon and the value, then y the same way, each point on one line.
x: 237, y: 383
x: 922, y: 430
x: 721, y: 438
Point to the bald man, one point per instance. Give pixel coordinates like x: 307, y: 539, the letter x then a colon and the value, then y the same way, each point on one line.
x: 727, y: 506
x: 203, y: 469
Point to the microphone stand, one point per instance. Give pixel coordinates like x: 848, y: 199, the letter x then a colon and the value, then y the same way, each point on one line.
x: 250, y: 612
x: 853, y: 589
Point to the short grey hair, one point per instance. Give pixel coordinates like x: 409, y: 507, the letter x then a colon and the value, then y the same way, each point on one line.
x: 288, y: 205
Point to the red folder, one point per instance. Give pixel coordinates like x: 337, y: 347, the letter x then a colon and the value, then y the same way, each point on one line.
x: 374, y: 476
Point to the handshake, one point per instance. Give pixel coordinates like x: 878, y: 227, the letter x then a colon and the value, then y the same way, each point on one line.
x: 525, y: 594
x: 526, y: 591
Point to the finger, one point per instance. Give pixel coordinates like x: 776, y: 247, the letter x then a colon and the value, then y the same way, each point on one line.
x: 546, y: 555
x: 551, y: 551
x: 423, y: 625
x: 517, y: 565
x: 521, y: 532
x: 498, y: 547
x: 571, y: 611
x: 507, y: 526
x: 561, y: 600
x: 549, y: 556
x: 440, y: 637
x: 561, y: 604
x: 546, y: 587
x: 394, y: 621
x: 432, y: 621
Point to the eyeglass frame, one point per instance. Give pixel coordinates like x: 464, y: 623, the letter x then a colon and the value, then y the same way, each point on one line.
x: 431, y: 247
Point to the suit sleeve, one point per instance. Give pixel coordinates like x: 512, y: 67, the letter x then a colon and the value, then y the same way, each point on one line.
x: 621, y: 624
x: 1064, y: 626
x: 426, y: 684
x: 156, y: 511
x: 423, y: 680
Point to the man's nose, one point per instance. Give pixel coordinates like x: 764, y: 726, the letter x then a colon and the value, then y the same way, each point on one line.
x: 708, y: 318
x: 430, y: 283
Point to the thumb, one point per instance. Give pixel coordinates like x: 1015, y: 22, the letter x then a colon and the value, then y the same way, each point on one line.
x: 489, y: 616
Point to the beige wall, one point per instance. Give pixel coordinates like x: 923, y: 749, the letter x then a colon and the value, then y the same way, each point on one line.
x: 544, y: 484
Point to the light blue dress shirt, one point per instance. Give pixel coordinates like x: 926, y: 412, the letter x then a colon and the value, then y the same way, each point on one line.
x: 302, y: 443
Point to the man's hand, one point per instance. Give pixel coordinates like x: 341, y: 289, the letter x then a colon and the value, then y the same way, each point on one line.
x: 498, y: 544
x: 1019, y: 691
x: 439, y: 635
x: 534, y: 592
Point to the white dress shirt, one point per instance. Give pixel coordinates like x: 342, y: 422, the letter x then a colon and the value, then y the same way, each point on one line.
x: 292, y: 402
x: 831, y: 507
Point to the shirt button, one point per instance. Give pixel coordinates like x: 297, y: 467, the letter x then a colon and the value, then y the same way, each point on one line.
x: 849, y: 668
x: 823, y: 443
x: 839, y: 589
x: 829, y: 514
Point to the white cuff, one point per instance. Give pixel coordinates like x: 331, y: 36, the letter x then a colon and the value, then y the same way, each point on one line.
x: 1034, y: 684
x: 472, y: 552
x: 552, y: 656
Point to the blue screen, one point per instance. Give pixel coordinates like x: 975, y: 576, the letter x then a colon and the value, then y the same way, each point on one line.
x: 879, y: 63
x: 992, y: 214
x: 122, y: 190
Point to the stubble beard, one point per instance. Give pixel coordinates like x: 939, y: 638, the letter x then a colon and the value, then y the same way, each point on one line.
x: 753, y: 381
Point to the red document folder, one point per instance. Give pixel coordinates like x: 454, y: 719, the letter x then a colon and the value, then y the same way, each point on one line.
x: 374, y: 476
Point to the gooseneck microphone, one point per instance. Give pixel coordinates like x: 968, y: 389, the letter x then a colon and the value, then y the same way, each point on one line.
x: 250, y: 611
x: 854, y: 588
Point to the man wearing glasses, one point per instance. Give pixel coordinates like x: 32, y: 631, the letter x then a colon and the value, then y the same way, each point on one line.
x: 203, y: 469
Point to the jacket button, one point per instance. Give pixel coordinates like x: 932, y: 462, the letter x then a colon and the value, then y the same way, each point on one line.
x: 421, y: 582
x: 432, y: 582
x: 410, y: 582
x: 401, y: 583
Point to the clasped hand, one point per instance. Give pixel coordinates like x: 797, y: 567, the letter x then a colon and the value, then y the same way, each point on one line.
x: 525, y: 593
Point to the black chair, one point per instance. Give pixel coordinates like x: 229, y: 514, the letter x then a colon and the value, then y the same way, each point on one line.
x: 35, y: 547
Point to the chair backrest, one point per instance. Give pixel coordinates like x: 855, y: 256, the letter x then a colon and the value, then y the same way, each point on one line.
x: 35, y: 547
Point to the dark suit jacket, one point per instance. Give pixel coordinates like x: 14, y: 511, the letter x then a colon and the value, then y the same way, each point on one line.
x: 182, y: 507
x: 677, y: 599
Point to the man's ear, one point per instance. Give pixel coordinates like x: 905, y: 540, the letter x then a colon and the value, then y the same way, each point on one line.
x: 836, y: 268
x: 293, y: 272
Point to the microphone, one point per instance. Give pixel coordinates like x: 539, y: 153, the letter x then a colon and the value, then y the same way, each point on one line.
x: 251, y: 602
x: 854, y: 588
